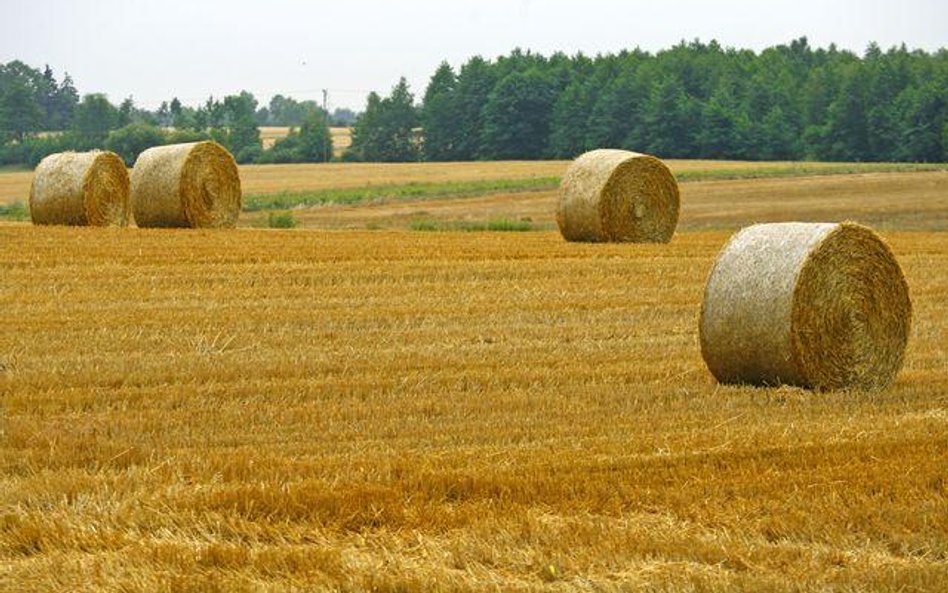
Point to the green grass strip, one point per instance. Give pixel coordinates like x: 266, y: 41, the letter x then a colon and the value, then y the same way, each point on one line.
x: 14, y: 211
x: 390, y: 193
x: 804, y: 170
x: 494, y: 225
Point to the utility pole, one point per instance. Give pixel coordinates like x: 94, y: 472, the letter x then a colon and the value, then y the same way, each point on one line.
x: 326, y: 157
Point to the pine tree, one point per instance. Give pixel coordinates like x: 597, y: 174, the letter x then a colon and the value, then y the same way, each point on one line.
x: 438, y: 120
x: 671, y: 121
x: 475, y: 83
x: 570, y: 121
x: 67, y: 98
x: 847, y: 131
x: 723, y: 131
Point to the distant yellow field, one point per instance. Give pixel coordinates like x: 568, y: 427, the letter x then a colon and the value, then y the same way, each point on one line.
x: 405, y: 411
x: 341, y: 137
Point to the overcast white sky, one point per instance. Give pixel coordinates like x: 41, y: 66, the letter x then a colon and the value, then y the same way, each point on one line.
x: 156, y: 49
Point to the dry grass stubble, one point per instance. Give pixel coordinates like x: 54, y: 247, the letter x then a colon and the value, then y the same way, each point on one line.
x: 279, y: 410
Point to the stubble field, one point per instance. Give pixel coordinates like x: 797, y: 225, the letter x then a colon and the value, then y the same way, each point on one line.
x: 321, y: 409
x: 341, y: 137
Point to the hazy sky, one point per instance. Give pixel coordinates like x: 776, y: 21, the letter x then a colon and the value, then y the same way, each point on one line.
x: 156, y: 49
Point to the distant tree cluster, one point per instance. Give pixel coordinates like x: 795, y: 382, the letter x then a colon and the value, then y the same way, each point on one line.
x: 694, y: 100
x: 31, y: 101
x: 385, y: 130
x: 288, y: 112
x: 40, y: 116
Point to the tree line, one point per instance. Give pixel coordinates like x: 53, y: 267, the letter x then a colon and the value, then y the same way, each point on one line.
x: 40, y: 115
x: 694, y: 100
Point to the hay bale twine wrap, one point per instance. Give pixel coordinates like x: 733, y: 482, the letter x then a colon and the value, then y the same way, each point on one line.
x: 618, y: 196
x: 80, y: 188
x: 817, y: 305
x: 192, y: 185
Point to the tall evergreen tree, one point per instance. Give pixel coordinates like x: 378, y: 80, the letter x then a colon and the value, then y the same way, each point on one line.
x: 617, y: 117
x: 888, y: 76
x: 475, y: 83
x: 126, y: 112
x: 365, y: 130
x: 571, y: 115
x: 723, y: 130
x: 779, y: 138
x: 847, y: 131
x: 671, y: 120
x: 438, y: 120
x: 67, y: 98
x: 47, y: 98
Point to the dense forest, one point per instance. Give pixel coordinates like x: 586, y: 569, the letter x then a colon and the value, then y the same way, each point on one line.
x: 694, y: 100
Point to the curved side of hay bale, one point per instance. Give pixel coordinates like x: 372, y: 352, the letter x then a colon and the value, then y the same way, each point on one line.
x: 81, y: 189
x: 193, y: 185
x: 822, y: 306
x: 618, y: 196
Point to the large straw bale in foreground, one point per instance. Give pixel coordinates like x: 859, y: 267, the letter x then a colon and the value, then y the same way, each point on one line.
x: 618, y: 196
x: 186, y: 185
x: 822, y: 306
x: 80, y: 188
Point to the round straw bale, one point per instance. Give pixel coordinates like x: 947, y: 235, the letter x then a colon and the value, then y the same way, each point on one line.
x: 186, y: 185
x: 80, y: 188
x: 817, y: 305
x: 618, y: 196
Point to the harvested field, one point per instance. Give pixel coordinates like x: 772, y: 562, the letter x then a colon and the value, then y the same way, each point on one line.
x: 882, y: 200
x: 270, y: 134
x: 341, y: 137
x: 390, y: 410
x: 393, y: 410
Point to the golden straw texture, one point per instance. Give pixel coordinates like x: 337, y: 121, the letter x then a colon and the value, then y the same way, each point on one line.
x: 186, y: 185
x: 817, y: 305
x: 618, y: 196
x: 80, y: 189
